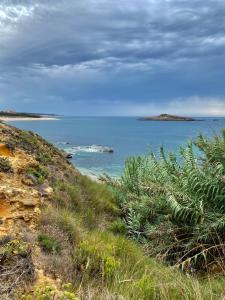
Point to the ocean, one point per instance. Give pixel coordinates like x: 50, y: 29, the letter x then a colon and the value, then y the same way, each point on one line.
x: 87, y: 138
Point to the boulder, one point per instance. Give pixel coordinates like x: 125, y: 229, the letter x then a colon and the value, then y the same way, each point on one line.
x: 68, y: 156
x: 45, y: 191
x: 29, y: 201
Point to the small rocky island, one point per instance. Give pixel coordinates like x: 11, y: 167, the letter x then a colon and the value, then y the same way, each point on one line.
x: 166, y: 117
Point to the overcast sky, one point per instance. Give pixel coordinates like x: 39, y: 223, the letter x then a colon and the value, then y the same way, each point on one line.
x: 108, y: 57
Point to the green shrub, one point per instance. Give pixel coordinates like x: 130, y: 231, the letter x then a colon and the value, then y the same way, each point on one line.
x: 176, y: 203
x: 27, y: 140
x: 47, y: 292
x: 119, y: 227
x: 44, y: 157
x: 49, y: 244
x: 5, y: 165
x: 40, y: 172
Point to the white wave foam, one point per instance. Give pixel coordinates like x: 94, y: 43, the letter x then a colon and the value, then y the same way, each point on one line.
x: 89, y: 149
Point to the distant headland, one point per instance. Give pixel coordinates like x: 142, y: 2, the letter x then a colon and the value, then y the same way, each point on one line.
x: 22, y: 116
x: 167, y: 117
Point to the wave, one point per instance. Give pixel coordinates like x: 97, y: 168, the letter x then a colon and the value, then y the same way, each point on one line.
x: 89, y: 149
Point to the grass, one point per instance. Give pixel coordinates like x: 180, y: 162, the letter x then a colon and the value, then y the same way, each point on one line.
x: 49, y: 244
x: 100, y: 262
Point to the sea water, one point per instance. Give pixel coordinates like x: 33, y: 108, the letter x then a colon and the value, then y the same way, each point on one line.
x: 87, y: 138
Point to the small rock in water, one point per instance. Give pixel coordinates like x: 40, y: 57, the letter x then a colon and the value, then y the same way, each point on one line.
x: 68, y: 156
x: 108, y: 150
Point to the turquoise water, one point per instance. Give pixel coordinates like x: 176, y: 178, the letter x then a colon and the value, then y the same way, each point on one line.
x: 86, y: 137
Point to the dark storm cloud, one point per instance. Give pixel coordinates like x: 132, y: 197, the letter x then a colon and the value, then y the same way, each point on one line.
x: 106, y: 51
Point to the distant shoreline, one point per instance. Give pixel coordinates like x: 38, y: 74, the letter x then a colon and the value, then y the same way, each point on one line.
x: 14, y: 119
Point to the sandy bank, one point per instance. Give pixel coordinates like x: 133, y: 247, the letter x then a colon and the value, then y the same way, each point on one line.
x: 8, y: 119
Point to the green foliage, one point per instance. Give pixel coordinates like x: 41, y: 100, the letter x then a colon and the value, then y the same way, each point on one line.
x: 49, y: 244
x: 48, y: 292
x: 91, y: 200
x: 44, y: 157
x: 119, y: 227
x: 40, y: 172
x: 27, y: 140
x: 5, y: 165
x: 180, y: 196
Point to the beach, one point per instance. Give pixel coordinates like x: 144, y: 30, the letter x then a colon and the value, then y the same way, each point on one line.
x: 9, y: 119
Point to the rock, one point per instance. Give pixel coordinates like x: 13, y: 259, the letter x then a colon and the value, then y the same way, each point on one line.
x: 3, y: 195
x: 68, y: 156
x: 29, y: 202
x: 108, y: 150
x: 45, y: 191
x: 6, y: 192
x: 27, y: 181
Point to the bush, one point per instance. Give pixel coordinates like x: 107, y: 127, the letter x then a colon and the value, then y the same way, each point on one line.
x: 119, y: 227
x: 49, y: 244
x: 176, y: 204
x: 39, y: 172
x: 5, y: 165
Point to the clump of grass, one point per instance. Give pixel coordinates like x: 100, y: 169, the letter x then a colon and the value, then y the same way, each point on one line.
x: 40, y: 173
x: 119, y: 227
x: 5, y: 165
x: 44, y: 157
x: 48, y: 292
x: 49, y: 244
x: 93, y: 201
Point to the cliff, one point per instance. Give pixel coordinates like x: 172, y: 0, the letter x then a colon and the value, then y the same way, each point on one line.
x: 29, y: 169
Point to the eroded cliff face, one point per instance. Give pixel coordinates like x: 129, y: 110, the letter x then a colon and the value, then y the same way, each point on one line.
x: 29, y: 167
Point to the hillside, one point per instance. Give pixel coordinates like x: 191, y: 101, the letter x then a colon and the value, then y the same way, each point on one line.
x: 10, y: 114
x: 62, y: 236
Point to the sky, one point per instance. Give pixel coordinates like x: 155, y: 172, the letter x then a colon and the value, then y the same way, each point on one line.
x: 108, y: 57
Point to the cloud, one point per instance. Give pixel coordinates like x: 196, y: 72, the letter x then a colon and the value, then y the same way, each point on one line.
x: 106, y: 49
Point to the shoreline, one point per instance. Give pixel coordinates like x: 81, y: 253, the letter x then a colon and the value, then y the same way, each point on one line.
x: 89, y: 174
x: 9, y: 119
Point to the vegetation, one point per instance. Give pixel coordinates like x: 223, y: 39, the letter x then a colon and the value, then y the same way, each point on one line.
x: 5, y: 165
x: 40, y: 173
x: 51, y: 293
x: 175, y: 206
x: 99, y: 239
x: 103, y: 265
x: 16, y: 266
x: 19, y: 115
x: 49, y: 244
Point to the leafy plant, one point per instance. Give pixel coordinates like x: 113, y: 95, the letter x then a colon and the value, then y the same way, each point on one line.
x: 40, y: 173
x: 186, y: 192
x: 49, y: 244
